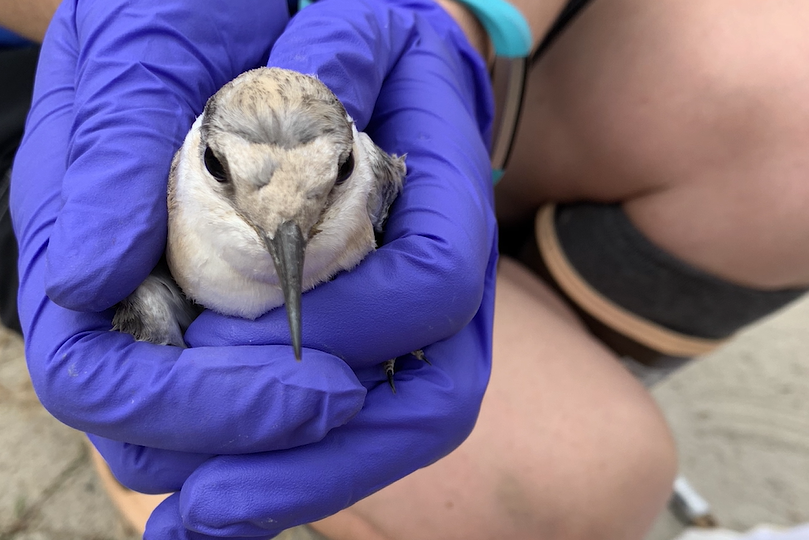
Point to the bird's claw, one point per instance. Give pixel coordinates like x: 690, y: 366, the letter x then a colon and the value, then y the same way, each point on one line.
x: 419, y: 354
x: 390, y: 365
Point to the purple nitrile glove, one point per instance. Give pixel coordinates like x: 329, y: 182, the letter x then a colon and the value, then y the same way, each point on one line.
x: 117, y: 88
x: 434, y: 275
x: 431, y: 282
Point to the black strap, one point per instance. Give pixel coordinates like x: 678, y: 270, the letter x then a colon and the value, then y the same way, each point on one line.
x: 566, y: 16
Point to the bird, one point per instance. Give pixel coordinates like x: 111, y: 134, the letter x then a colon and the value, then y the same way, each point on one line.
x: 273, y: 191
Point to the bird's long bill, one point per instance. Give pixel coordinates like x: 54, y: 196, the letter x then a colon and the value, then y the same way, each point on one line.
x: 287, y: 251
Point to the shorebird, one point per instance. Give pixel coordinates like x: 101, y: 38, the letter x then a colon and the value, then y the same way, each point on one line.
x: 272, y: 170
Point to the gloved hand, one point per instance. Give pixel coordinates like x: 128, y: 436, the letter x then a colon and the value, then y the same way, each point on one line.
x: 410, y: 65
x: 434, y: 274
x: 118, y: 86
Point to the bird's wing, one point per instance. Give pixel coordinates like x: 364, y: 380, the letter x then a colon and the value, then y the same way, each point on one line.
x: 388, y: 173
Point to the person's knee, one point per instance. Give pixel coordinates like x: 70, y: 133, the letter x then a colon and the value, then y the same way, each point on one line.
x: 617, y: 491
x: 644, y: 464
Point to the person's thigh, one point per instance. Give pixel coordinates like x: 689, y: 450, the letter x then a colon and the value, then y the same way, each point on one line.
x: 692, y: 113
x: 568, y: 445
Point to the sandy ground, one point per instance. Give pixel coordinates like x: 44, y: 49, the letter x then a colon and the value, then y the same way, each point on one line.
x: 741, y: 417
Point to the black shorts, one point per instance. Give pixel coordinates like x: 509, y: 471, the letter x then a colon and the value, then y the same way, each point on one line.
x: 19, y: 66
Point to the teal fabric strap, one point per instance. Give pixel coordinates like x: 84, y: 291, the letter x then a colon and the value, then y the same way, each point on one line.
x: 511, y: 38
x: 506, y: 26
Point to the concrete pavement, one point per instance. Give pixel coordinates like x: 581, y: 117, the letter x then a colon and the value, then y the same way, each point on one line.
x: 741, y: 419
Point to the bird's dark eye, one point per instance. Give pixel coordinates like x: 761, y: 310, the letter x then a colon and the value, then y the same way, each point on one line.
x: 345, y: 169
x: 214, y: 166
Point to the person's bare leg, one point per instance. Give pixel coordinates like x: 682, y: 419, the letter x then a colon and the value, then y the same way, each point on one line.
x: 568, y: 445
x: 694, y: 114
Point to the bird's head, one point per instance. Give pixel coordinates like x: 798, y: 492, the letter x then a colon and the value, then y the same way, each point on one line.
x: 274, y: 144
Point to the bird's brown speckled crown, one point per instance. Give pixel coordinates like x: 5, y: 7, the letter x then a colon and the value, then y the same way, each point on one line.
x: 283, y: 108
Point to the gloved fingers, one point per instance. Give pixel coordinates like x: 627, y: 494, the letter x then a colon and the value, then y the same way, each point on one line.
x: 354, y: 47
x: 350, y: 46
x: 433, y: 411
x: 166, y: 523
x: 143, y: 71
x: 426, y: 282
x: 147, y: 470
x: 163, y: 523
x: 208, y: 400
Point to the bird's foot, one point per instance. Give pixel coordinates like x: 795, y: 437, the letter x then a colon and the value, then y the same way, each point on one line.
x: 389, y: 366
x: 419, y: 354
